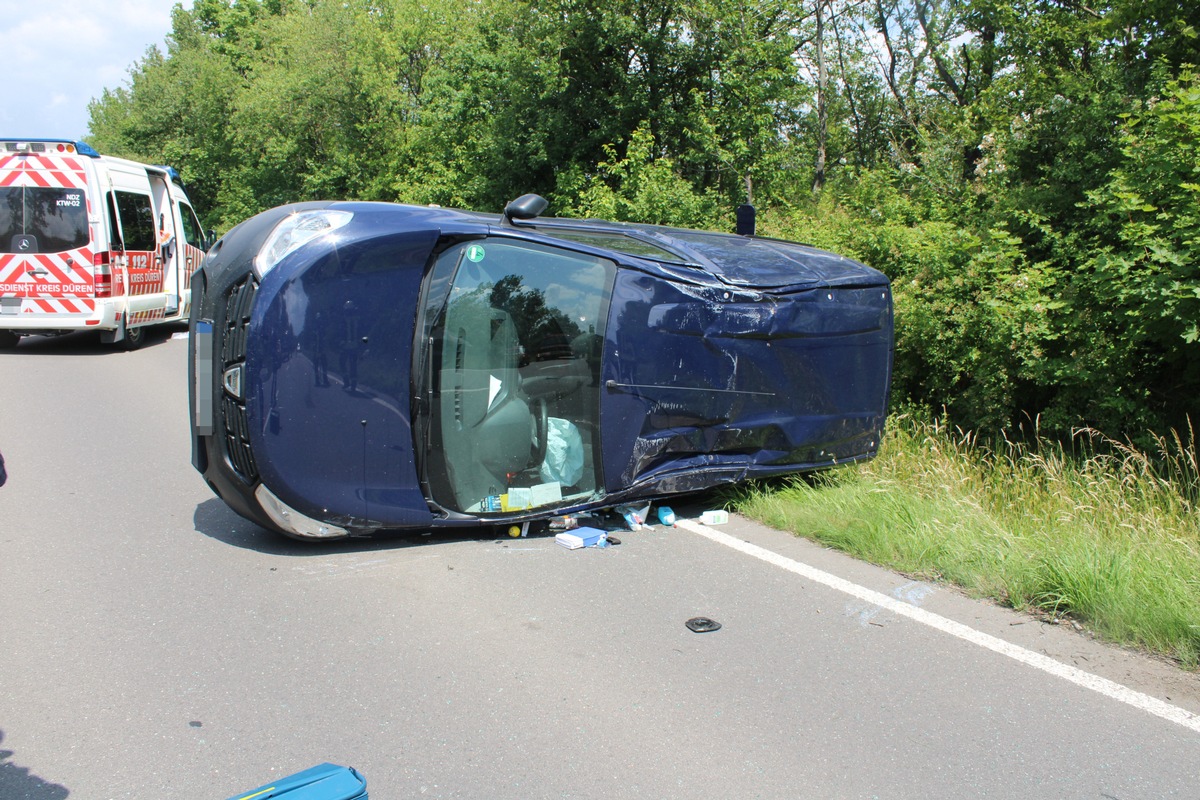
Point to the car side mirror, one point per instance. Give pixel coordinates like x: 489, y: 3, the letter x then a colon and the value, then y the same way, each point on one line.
x: 527, y: 206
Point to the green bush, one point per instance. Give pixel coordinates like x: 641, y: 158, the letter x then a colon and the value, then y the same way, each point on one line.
x: 1144, y: 264
x: 637, y: 188
x: 973, y: 317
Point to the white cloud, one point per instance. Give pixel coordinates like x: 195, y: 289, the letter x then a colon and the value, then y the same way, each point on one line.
x: 61, y: 54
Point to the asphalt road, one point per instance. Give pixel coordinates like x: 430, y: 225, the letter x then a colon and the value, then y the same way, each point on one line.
x: 154, y: 644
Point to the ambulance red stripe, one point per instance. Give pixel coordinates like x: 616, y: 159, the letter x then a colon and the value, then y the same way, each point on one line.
x: 38, y: 178
x: 48, y: 305
x: 10, y: 268
x: 72, y: 174
x: 51, y: 265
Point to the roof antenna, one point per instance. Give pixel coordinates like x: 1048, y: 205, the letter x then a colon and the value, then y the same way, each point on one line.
x: 745, y: 212
x: 745, y: 220
x: 527, y: 206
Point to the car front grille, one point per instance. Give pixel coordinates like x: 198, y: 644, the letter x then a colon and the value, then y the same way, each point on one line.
x: 232, y: 348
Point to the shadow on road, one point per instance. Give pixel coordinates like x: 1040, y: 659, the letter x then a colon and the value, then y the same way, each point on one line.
x: 19, y: 782
x: 216, y: 520
x: 87, y: 343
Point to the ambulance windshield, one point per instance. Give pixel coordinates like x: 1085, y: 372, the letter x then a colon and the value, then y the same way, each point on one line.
x: 42, y: 220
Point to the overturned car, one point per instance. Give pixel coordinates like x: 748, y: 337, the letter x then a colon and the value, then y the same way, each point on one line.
x: 367, y: 367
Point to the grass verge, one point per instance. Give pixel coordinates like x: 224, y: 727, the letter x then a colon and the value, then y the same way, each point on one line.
x: 1097, y: 531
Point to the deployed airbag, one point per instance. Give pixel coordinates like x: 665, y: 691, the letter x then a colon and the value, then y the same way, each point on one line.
x: 564, y: 453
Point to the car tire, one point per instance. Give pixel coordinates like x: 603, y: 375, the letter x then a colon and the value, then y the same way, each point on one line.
x: 133, y: 338
x: 8, y: 340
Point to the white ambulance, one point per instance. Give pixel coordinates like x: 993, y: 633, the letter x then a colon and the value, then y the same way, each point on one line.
x: 90, y: 242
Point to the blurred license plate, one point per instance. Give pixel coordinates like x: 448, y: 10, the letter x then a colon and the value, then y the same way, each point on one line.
x: 202, y: 379
x: 10, y: 305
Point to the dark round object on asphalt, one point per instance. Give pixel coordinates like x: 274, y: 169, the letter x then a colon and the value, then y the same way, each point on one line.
x: 703, y: 625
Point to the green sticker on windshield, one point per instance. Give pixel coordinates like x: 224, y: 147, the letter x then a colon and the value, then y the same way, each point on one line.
x: 475, y: 253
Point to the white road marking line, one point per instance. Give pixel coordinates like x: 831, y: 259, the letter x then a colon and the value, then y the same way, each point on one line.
x: 1046, y: 664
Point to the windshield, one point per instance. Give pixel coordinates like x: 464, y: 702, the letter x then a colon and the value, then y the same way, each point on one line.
x: 514, y: 352
x: 42, y: 220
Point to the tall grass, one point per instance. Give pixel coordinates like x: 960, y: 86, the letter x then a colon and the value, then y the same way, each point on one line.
x: 1091, y: 530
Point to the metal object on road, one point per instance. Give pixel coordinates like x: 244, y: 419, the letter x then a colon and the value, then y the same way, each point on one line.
x: 703, y: 625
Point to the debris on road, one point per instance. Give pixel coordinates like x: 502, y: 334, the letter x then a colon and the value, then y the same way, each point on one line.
x: 582, y: 537
x: 703, y: 625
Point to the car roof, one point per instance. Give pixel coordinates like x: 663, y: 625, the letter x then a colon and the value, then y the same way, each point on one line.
x: 738, y: 259
x: 733, y: 259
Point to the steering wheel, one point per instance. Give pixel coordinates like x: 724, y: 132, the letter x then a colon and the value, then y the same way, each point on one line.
x: 541, y: 420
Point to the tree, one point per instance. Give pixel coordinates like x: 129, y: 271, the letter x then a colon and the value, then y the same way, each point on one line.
x: 1024, y: 171
x: 175, y: 110
x: 1144, y: 271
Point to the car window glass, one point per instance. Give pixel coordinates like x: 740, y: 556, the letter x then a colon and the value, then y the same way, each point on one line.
x: 137, y: 220
x: 114, y: 227
x: 191, y: 226
x: 515, y: 376
x: 42, y: 219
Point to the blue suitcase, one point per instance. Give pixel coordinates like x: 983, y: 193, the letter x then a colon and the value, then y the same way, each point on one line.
x: 324, y: 782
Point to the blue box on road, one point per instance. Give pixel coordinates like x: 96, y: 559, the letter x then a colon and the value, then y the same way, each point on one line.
x: 323, y: 782
x: 579, y: 537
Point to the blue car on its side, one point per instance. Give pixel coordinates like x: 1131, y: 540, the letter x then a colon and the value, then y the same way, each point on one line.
x: 360, y: 368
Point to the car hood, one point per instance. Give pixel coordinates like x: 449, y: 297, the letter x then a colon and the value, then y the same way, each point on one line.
x: 329, y: 358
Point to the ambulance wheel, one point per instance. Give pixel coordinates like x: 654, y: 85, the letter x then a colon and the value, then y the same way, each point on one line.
x: 134, y: 338
x: 8, y: 340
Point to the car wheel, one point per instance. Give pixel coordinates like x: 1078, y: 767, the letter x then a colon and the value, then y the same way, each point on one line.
x: 8, y: 340
x: 134, y: 338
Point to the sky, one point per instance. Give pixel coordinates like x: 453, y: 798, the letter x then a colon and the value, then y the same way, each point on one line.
x: 61, y: 54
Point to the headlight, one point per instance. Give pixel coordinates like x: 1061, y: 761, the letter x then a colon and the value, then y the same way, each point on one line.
x: 293, y: 232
